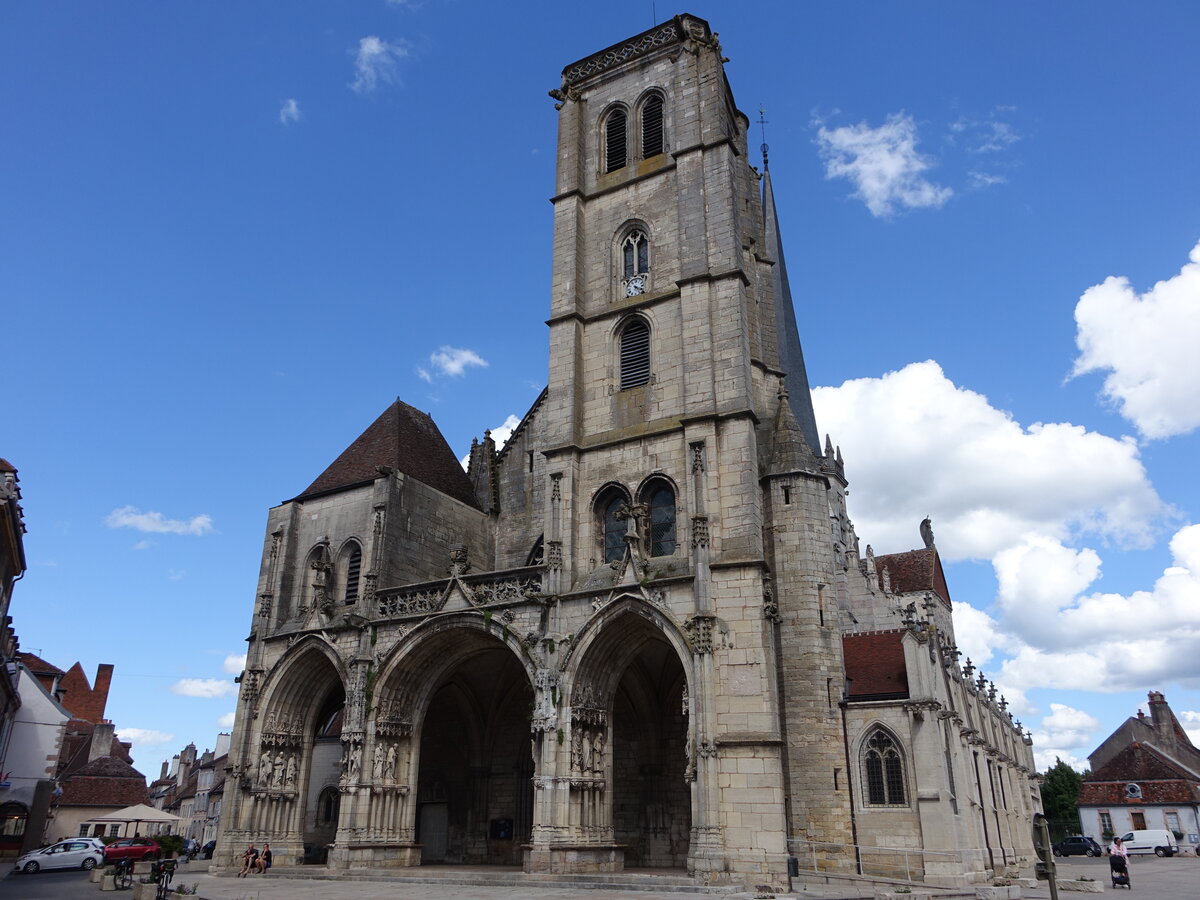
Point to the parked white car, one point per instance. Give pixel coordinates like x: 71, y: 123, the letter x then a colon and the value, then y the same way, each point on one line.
x: 72, y: 854
x: 1158, y: 841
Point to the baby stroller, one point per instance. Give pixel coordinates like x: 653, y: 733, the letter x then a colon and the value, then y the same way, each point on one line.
x: 1118, y: 868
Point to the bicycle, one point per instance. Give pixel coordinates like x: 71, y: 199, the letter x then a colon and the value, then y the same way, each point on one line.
x: 123, y: 873
x: 163, y: 872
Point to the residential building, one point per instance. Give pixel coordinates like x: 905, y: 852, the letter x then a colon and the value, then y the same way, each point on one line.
x: 1146, y: 774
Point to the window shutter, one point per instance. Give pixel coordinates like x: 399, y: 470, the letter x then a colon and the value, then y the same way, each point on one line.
x: 614, y: 141
x: 353, y: 567
x: 652, y: 127
x: 635, y: 354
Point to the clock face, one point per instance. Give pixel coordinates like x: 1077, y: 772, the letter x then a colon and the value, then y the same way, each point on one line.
x: 635, y: 285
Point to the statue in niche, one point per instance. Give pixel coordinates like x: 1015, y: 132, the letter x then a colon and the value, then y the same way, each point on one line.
x: 280, y: 766
x: 598, y: 752
x: 354, y: 762
x: 265, y: 768
x: 378, y: 763
x: 390, y: 765
x: 289, y: 777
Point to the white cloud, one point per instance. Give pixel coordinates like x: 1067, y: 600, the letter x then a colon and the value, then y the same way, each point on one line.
x: 145, y: 737
x: 156, y: 522
x: 1106, y: 641
x: 916, y: 444
x: 1147, y: 345
x: 226, y: 721
x: 176, y: 574
x: 500, y: 434
x: 1066, y: 727
x: 985, y: 179
x: 204, y: 687
x: 234, y: 663
x: 882, y: 163
x: 289, y: 112
x: 143, y: 545
x: 451, y: 361
x: 375, y: 63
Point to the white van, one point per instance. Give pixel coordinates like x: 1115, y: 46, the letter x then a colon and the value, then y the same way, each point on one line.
x: 1158, y: 841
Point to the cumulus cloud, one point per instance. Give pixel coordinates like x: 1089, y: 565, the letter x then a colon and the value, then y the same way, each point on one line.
x: 234, y: 663
x: 500, y: 434
x: 143, y: 545
x: 450, y: 361
x: 1147, y: 345
x: 882, y: 163
x: 156, y: 522
x: 916, y: 444
x: 289, y: 112
x: 226, y: 721
x: 1190, y: 717
x: 1105, y: 641
x: 375, y: 63
x: 146, y: 737
x: 203, y: 687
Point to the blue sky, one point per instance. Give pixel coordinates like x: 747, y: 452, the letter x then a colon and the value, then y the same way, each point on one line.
x: 231, y: 235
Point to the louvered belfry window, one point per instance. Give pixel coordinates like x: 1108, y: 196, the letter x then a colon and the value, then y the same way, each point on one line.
x: 353, y: 568
x: 652, y: 126
x: 635, y: 354
x: 615, y: 144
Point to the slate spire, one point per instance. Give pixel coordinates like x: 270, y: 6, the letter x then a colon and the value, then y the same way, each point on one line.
x: 791, y: 357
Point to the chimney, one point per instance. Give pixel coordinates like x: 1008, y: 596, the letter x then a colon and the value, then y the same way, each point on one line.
x: 223, y: 742
x: 163, y: 775
x: 100, y: 688
x: 102, y: 739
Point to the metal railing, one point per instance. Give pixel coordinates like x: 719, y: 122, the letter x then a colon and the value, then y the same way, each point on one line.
x: 895, y: 863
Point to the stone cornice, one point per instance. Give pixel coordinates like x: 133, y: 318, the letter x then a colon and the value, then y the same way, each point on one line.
x: 678, y: 30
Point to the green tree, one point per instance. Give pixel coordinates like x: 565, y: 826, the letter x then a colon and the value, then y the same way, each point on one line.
x: 1060, y: 794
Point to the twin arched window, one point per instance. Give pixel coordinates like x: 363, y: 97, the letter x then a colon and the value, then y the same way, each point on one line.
x: 883, y: 770
x: 657, y: 507
x: 651, y: 131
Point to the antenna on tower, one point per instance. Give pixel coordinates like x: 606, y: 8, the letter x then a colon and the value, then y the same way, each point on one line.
x: 762, y: 124
x: 653, y: 13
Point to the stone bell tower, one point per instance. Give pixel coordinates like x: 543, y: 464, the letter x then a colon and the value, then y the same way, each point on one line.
x: 675, y: 360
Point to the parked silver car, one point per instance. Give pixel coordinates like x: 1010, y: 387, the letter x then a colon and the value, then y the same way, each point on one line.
x: 77, y: 853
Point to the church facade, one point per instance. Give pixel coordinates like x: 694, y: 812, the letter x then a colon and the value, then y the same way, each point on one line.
x: 641, y: 634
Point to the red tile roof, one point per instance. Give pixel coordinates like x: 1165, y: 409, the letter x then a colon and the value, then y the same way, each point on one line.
x: 105, y: 782
x: 914, y: 570
x: 37, y: 665
x: 405, y: 439
x: 1160, y: 778
x: 875, y: 665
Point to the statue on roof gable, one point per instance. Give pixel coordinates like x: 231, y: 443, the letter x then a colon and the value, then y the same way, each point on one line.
x: 927, y: 533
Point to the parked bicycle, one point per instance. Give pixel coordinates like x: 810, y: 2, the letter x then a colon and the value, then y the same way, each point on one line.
x: 163, y: 872
x: 124, y: 873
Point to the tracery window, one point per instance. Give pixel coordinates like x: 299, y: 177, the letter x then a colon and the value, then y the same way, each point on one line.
x: 612, y: 525
x: 660, y: 498
x: 883, y: 770
x: 653, y: 142
x: 635, y: 254
x: 635, y: 353
x: 616, y: 127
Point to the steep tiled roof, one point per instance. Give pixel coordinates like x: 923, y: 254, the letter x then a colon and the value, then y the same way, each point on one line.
x: 105, y: 782
x: 875, y: 665
x: 914, y: 570
x: 405, y: 439
x: 37, y: 665
x: 1160, y: 778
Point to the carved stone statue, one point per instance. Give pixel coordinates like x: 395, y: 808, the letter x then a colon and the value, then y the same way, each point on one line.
x: 290, y: 776
x: 264, y: 769
x: 927, y: 533
x: 390, y: 769
x: 280, y: 766
x: 378, y: 763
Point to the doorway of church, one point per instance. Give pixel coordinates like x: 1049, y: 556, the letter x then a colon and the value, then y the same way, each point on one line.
x: 475, y: 769
x: 651, y: 793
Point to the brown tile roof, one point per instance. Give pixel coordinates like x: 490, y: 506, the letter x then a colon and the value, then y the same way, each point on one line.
x: 105, y: 782
x: 37, y: 665
x: 914, y: 570
x: 875, y: 665
x: 1161, y: 779
x: 405, y: 439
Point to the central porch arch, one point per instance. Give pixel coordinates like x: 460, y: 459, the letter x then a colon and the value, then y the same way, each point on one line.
x: 462, y: 694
